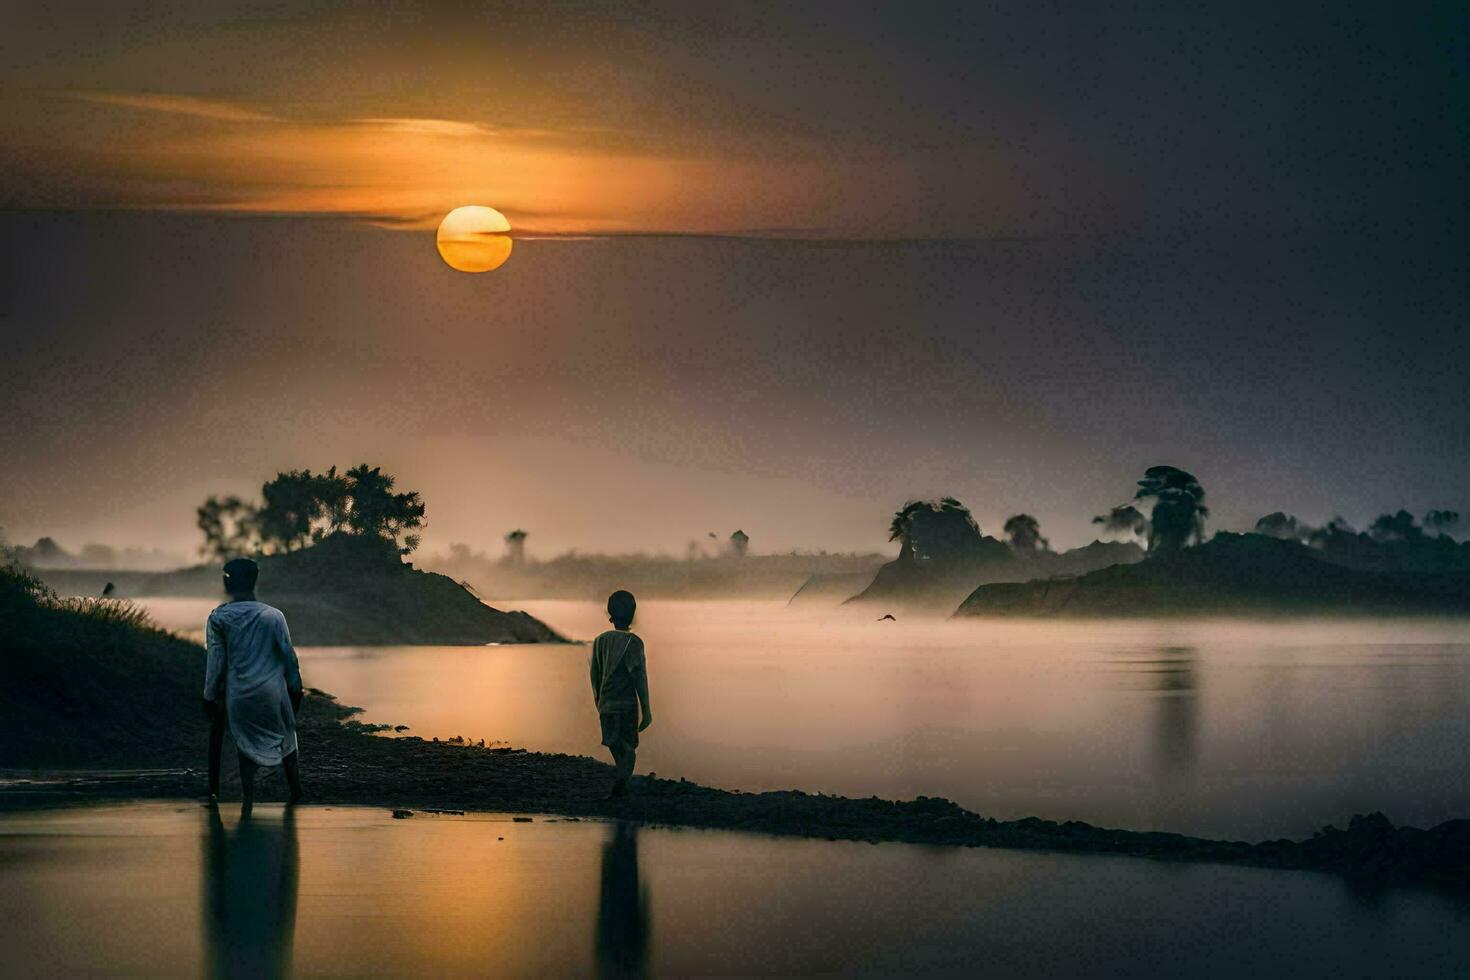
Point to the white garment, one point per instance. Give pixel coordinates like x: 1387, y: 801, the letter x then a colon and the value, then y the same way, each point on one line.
x: 251, y: 657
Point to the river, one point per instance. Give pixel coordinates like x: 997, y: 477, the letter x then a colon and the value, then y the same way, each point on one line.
x: 168, y: 889
x: 1216, y: 728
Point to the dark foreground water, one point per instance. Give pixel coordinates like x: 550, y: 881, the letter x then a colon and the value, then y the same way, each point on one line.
x: 175, y: 889
x: 1215, y: 728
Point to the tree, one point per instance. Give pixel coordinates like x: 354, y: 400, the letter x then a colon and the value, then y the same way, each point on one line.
x: 1442, y: 521
x: 1125, y: 519
x: 935, y: 529
x: 1025, y: 534
x: 289, y: 507
x: 301, y: 506
x: 1332, y: 534
x: 1179, y: 513
x: 1282, y: 525
x: 515, y: 547
x: 331, y: 491
x: 1395, y: 527
x: 228, y: 526
x: 47, y: 549
x: 374, y: 510
x: 739, y: 544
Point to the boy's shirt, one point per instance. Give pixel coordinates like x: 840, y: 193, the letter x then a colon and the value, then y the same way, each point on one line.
x: 616, y: 656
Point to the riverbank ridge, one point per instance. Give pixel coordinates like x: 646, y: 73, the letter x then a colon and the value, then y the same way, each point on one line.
x: 344, y: 763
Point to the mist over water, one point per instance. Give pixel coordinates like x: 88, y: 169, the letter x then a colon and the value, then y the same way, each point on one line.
x: 1216, y: 728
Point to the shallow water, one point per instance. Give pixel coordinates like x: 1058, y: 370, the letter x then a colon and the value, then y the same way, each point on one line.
x: 169, y: 889
x: 1206, y: 727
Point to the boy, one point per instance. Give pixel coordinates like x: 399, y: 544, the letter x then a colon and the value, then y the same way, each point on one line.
x: 619, y: 686
x: 252, y: 668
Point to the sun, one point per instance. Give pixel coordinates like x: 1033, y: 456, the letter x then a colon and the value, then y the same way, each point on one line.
x: 474, y: 239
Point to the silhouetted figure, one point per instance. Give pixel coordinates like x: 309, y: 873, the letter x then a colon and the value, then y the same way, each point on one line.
x: 622, y: 915
x: 253, y: 665
x: 619, y: 686
x: 250, y: 886
x: 107, y: 590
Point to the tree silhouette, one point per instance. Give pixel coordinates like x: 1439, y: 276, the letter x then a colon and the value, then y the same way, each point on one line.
x: 300, y: 506
x: 1179, y: 512
x: 374, y: 510
x: 1025, y: 534
x: 332, y: 492
x: 739, y: 544
x: 1395, y: 527
x: 1284, y: 526
x: 1125, y: 519
x: 515, y: 547
x: 228, y: 526
x: 291, y: 504
x: 935, y: 529
x: 1442, y: 521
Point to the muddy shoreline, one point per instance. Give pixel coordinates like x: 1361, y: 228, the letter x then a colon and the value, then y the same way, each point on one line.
x: 344, y: 763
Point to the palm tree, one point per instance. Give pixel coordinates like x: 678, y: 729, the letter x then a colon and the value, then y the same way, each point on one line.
x: 515, y: 547
x: 1179, y: 513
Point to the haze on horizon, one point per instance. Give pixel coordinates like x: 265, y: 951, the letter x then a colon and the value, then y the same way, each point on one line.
x: 1010, y: 254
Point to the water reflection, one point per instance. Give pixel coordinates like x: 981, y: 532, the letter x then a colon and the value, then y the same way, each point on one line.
x: 250, y: 883
x: 622, y: 914
x: 1176, y: 713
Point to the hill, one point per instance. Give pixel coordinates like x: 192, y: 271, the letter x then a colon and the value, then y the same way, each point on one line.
x: 1230, y: 574
x: 345, y: 591
x: 941, y: 584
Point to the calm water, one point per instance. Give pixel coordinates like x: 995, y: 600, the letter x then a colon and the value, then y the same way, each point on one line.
x: 166, y: 889
x: 1218, y: 728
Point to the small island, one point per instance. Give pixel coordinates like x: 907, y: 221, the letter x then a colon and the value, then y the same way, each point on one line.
x: 1284, y: 567
x: 332, y: 549
x: 943, y: 555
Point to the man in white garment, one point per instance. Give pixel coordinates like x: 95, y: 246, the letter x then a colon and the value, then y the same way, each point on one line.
x: 252, y: 682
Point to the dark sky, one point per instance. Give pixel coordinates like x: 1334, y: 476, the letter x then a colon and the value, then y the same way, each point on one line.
x: 1233, y: 240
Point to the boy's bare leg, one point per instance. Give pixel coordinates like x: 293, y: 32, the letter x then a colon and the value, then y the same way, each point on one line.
x: 291, y: 764
x: 624, y: 759
x: 247, y: 784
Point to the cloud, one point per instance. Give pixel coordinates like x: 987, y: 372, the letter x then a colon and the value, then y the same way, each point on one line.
x: 182, y: 105
x: 409, y: 126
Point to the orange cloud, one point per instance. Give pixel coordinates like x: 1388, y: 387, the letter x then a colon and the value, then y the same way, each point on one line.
x: 183, y: 105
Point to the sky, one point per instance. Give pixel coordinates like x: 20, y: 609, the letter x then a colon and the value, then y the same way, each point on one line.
x: 775, y: 267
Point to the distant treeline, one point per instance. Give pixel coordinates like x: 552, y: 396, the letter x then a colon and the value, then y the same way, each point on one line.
x: 592, y: 576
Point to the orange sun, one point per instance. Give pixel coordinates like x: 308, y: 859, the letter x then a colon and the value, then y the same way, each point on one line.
x: 474, y: 239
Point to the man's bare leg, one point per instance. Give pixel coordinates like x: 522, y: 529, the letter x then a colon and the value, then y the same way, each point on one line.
x: 248, y: 769
x: 292, y: 766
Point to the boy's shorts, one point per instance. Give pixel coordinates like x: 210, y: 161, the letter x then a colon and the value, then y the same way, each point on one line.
x: 620, y: 728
